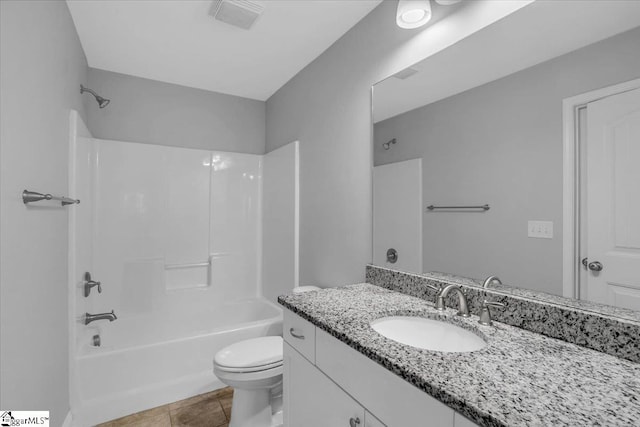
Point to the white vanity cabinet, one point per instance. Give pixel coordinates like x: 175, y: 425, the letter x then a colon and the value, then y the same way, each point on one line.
x: 312, y: 399
x: 328, y: 383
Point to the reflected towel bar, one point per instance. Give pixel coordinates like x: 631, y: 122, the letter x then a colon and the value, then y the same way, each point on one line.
x: 32, y: 196
x: 483, y: 207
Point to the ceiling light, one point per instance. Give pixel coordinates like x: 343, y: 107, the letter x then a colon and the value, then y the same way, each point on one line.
x: 413, y: 13
x: 447, y: 2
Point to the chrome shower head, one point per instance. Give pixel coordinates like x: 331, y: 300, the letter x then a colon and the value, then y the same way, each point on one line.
x: 102, y: 102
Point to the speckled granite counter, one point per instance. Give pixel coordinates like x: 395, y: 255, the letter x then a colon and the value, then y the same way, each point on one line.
x: 519, y: 379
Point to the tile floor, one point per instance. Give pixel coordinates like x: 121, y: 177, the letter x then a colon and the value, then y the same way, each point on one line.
x: 211, y: 409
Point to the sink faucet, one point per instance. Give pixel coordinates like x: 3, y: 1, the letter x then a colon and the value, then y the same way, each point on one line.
x: 88, y: 318
x: 485, y: 313
x: 463, y: 307
x: 489, y: 280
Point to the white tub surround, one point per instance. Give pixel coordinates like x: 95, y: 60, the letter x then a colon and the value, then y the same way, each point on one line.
x: 174, y: 236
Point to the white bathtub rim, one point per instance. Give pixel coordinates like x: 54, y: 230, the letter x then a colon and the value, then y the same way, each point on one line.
x: 88, y: 351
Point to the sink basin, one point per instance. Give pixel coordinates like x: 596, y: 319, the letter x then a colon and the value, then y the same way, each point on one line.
x: 428, y: 334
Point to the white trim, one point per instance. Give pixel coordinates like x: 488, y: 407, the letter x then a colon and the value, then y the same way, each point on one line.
x: 296, y: 215
x: 77, y: 129
x: 259, y: 237
x: 68, y: 420
x: 570, y: 151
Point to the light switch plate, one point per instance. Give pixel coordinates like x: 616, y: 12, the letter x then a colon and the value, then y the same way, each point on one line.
x: 540, y: 229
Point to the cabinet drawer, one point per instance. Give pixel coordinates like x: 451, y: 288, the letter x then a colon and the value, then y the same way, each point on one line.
x: 393, y: 400
x: 300, y: 334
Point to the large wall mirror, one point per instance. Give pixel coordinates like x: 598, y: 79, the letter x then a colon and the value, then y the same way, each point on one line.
x: 473, y: 156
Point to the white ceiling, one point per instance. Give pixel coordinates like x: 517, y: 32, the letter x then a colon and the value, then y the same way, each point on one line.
x: 536, y: 33
x: 179, y: 42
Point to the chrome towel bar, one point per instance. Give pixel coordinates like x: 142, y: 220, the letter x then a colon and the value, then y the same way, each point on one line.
x: 483, y: 207
x: 32, y: 196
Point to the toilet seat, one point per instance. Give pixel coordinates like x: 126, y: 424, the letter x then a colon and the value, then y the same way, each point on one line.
x: 249, y: 368
x: 253, y: 355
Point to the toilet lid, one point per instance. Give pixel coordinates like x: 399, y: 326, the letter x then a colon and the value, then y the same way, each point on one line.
x: 303, y: 289
x: 263, y: 352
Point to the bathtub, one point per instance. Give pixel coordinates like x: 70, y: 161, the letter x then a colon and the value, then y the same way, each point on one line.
x: 144, y: 362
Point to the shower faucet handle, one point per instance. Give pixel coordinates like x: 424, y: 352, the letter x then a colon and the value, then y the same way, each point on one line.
x: 88, y: 284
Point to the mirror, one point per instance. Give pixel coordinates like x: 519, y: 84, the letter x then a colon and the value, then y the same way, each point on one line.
x: 477, y: 133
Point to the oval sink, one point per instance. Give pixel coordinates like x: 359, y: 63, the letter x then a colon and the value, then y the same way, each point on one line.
x: 428, y: 334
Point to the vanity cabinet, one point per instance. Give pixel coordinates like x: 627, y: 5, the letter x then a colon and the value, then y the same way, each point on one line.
x: 312, y: 399
x: 329, y: 383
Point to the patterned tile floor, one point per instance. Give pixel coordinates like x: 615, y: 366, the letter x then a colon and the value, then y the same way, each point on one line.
x: 211, y: 409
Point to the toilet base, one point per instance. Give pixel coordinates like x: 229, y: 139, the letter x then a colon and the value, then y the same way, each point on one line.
x: 252, y: 408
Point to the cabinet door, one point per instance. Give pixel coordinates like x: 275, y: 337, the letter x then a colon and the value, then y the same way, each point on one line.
x: 313, y: 400
x: 371, y: 421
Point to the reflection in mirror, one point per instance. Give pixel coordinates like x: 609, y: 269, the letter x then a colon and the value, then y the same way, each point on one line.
x: 481, y: 123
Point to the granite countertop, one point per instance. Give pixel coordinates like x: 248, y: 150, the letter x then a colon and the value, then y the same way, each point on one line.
x: 519, y: 379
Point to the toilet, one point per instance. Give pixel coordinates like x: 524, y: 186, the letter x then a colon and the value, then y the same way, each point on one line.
x: 253, y: 368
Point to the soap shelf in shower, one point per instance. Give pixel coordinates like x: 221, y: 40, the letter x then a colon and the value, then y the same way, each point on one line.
x: 32, y: 196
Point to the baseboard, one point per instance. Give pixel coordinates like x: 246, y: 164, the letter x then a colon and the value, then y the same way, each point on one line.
x: 68, y: 420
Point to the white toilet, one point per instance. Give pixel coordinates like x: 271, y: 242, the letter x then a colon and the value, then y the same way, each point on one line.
x: 254, y: 369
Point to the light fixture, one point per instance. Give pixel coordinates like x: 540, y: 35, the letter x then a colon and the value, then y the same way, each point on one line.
x: 447, y: 2
x: 413, y: 13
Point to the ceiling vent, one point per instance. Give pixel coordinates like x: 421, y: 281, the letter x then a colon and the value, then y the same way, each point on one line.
x: 240, y: 13
x: 406, y: 73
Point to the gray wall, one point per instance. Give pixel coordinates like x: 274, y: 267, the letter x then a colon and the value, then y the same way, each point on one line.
x: 327, y: 107
x: 41, y: 67
x: 149, y: 111
x: 501, y: 143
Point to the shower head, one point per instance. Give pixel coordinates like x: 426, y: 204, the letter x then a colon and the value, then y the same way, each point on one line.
x: 102, y: 102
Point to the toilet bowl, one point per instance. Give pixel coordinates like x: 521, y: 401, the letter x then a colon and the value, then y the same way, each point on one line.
x: 254, y: 369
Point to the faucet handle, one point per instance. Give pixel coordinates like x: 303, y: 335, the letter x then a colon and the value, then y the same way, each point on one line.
x: 434, y: 287
x: 485, y: 313
x: 493, y: 304
x: 88, y: 284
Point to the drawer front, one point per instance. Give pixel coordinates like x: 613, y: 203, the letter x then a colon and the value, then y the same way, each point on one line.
x: 300, y: 334
x: 394, y: 401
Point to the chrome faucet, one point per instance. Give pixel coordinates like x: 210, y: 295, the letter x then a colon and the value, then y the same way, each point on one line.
x: 463, y: 307
x: 489, y: 280
x: 485, y: 313
x: 88, y: 318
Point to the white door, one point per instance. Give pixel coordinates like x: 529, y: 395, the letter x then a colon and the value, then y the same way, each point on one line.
x: 397, y: 215
x: 613, y: 200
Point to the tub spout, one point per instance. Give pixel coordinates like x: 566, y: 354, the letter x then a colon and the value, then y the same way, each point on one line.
x: 88, y: 318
